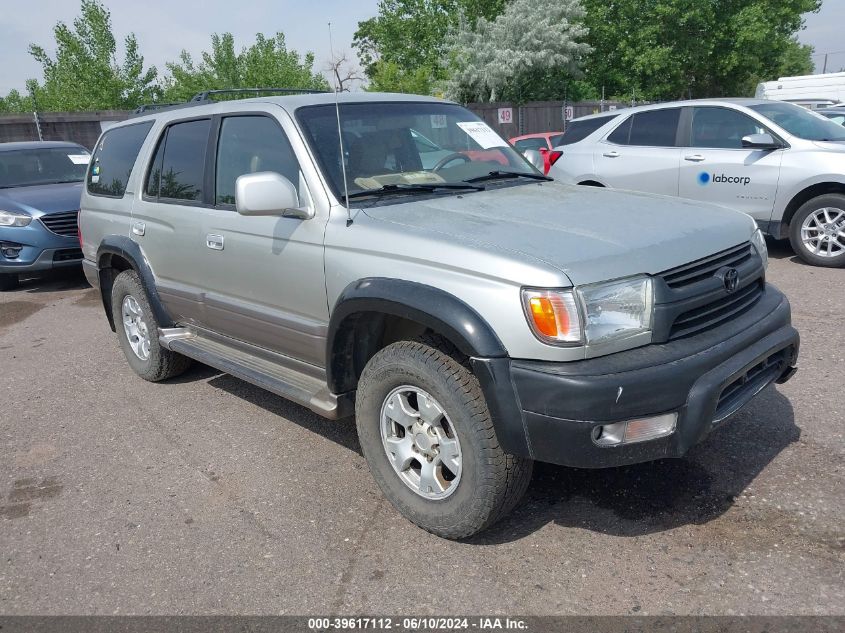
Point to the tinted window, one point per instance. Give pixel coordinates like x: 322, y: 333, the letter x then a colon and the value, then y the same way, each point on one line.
x: 579, y: 130
x: 154, y: 172
x: 183, y: 161
x: 250, y: 144
x: 114, y: 157
x: 620, y: 134
x: 556, y: 140
x: 655, y: 128
x: 531, y: 143
x: 721, y: 128
x: 42, y: 166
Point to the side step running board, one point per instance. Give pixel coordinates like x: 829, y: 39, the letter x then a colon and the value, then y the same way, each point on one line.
x: 289, y: 383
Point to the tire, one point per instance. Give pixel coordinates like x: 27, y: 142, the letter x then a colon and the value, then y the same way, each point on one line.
x: 811, y: 220
x: 8, y: 281
x: 489, y: 482
x: 152, y: 362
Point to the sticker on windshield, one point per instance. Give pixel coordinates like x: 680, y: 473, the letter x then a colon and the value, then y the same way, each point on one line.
x: 438, y: 121
x: 79, y: 159
x: 482, y: 134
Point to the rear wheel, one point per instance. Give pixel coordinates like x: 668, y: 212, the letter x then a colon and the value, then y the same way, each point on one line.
x: 426, y: 433
x: 8, y: 281
x: 137, y: 331
x: 817, y: 231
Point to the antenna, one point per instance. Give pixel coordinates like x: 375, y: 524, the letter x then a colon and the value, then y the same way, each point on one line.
x: 340, y: 134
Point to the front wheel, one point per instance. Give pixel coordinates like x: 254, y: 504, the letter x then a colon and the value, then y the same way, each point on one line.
x: 426, y: 433
x: 817, y: 231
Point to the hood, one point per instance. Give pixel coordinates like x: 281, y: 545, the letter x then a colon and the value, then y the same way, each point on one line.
x: 591, y: 234
x: 38, y: 200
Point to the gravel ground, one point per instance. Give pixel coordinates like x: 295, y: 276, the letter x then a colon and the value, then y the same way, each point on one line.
x: 208, y: 495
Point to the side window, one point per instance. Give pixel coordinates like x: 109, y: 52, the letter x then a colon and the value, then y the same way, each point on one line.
x: 114, y: 157
x: 655, y: 128
x: 182, y: 161
x: 721, y: 128
x: 151, y: 187
x: 249, y: 144
x: 620, y: 134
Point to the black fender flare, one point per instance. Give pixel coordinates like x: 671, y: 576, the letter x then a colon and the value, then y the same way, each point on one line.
x: 125, y: 248
x: 450, y: 317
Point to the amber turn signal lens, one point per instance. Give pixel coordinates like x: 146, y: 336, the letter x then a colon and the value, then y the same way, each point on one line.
x: 543, y: 313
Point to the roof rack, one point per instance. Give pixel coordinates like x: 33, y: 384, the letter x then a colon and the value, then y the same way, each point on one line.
x: 204, y: 95
x: 147, y: 107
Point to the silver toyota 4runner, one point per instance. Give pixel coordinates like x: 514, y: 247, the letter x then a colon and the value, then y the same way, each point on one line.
x: 471, y: 313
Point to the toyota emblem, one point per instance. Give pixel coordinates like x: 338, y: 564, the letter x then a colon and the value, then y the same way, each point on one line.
x: 731, y: 279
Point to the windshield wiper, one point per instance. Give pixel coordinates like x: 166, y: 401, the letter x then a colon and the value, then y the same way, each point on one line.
x: 419, y: 188
x: 499, y: 174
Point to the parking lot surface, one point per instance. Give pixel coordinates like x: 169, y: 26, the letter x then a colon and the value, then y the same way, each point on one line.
x: 208, y: 495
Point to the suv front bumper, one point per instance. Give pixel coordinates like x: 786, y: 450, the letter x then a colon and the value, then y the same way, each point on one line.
x: 548, y: 411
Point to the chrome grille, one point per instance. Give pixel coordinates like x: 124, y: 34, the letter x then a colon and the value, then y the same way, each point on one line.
x: 715, y: 312
x: 706, y: 267
x: 61, y: 223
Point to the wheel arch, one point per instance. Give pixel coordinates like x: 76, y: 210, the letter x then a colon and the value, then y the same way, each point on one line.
x: 371, y: 311
x: 802, y: 197
x: 115, y: 254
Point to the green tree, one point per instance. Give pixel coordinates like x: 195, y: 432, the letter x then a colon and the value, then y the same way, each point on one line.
x: 529, y: 52
x: 666, y: 49
x: 402, y: 48
x: 85, y: 73
x: 16, y: 102
x: 265, y: 64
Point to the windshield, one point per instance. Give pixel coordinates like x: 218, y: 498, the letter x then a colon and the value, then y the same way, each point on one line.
x: 801, y: 122
x: 406, y: 144
x: 42, y: 166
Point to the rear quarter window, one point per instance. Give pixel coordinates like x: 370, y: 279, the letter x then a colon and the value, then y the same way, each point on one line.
x: 114, y: 158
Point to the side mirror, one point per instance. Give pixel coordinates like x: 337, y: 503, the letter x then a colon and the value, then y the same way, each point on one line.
x: 535, y: 158
x: 268, y: 193
x: 760, y: 141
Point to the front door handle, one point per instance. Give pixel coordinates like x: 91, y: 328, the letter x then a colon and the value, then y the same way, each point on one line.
x: 139, y: 228
x: 214, y: 242
x: 611, y: 154
x: 694, y: 158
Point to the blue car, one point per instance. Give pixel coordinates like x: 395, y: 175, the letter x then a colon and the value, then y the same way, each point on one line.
x: 40, y: 188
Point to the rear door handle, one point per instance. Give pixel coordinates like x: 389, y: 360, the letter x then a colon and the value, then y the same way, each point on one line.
x: 214, y: 242
x: 611, y: 154
x: 138, y: 228
x: 694, y: 158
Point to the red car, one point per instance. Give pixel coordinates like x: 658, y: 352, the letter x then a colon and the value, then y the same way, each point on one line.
x: 543, y: 142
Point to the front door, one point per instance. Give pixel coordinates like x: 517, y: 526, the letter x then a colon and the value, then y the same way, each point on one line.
x: 263, y: 276
x: 716, y: 168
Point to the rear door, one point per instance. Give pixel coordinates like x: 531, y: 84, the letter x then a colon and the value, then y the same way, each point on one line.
x: 167, y: 220
x: 716, y: 168
x: 641, y: 153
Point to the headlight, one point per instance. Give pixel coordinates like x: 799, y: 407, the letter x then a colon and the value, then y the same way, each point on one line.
x: 597, y: 314
x: 617, y: 310
x: 759, y: 241
x: 553, y: 316
x: 10, y: 218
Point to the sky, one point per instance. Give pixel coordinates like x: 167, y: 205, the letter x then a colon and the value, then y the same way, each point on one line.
x: 165, y: 27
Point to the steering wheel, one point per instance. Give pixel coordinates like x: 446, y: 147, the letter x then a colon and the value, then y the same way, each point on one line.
x: 449, y: 158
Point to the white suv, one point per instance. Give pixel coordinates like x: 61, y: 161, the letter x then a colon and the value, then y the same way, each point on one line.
x: 779, y: 163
